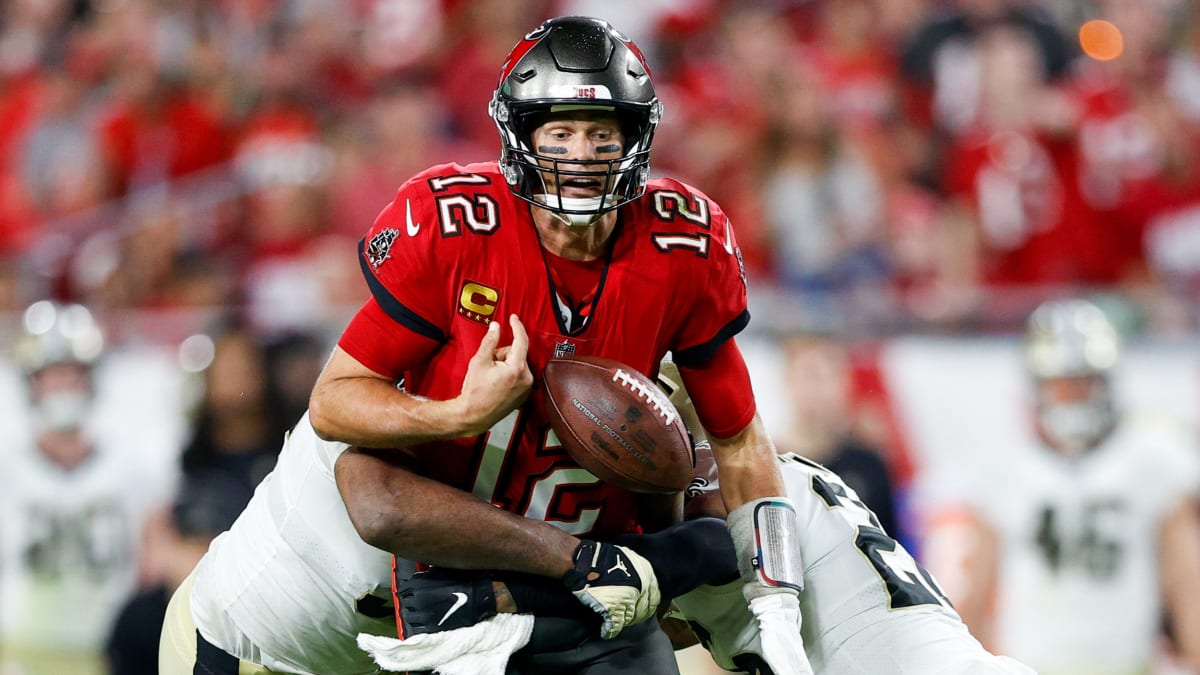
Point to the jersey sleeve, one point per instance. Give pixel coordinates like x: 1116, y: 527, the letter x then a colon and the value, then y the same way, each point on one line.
x: 375, y: 341
x: 721, y: 391
x: 399, y: 257
x: 718, y: 309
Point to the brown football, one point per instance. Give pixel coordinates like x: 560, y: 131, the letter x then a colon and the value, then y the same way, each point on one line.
x: 616, y: 423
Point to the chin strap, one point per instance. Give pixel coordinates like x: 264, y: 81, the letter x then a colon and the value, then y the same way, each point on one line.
x: 576, y: 219
x: 587, y: 210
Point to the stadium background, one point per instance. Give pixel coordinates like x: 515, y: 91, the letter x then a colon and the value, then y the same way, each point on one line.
x: 909, y: 177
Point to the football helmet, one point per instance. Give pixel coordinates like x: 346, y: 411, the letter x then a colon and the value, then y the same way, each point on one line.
x: 53, y: 334
x: 568, y: 64
x: 1070, y: 348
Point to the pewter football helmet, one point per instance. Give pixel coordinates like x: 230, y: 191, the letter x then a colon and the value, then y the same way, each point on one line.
x: 575, y: 63
x: 53, y: 334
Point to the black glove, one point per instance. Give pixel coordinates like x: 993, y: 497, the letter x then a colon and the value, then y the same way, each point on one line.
x: 687, y: 555
x: 440, y: 599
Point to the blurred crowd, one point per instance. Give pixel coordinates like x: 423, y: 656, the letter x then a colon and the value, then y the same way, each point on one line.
x: 898, y: 165
x: 204, y: 168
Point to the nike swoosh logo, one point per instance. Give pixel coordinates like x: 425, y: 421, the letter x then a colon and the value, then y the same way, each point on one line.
x: 411, y: 227
x: 460, y: 599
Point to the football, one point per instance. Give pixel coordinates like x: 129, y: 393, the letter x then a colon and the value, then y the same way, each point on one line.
x: 616, y: 423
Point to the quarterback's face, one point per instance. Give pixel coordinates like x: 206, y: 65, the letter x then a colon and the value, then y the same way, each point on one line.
x: 580, y: 137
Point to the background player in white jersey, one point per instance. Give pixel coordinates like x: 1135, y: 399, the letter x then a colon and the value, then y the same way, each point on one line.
x: 70, y: 525
x: 1065, y: 549
x: 869, y: 608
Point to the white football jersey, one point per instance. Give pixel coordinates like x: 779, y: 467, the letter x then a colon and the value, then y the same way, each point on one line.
x: 291, y: 585
x: 1078, y: 586
x: 867, y: 606
x: 69, y: 541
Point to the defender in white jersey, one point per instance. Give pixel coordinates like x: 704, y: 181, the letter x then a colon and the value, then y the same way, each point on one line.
x: 1067, y: 547
x: 291, y: 584
x: 868, y: 607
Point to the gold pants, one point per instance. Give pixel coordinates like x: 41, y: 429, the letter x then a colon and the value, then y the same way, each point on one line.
x: 177, y: 646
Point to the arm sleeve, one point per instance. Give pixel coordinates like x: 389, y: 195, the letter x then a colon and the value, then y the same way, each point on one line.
x: 684, y: 556
x: 721, y: 391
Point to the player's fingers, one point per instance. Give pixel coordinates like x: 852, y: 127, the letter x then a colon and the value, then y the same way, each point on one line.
x: 520, y: 344
x: 502, y: 353
x: 487, y: 346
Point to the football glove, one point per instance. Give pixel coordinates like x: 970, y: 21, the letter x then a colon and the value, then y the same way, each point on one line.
x: 614, y: 582
x: 440, y: 599
x: 779, y: 623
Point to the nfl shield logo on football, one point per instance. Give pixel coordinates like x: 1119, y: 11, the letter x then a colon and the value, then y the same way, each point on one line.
x: 564, y: 348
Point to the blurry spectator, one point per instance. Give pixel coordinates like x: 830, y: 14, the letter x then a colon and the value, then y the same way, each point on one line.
x: 823, y: 429
x: 403, y: 35
x: 1064, y: 548
x: 714, y: 130
x: 823, y: 200
x: 207, y: 504
x: 292, y: 363
x: 156, y: 129
x: 61, y: 165
x: 400, y: 132
x: 267, y: 126
x: 69, y: 520
x: 941, y: 61
x: 133, y: 267
x: 1117, y: 140
x: 854, y: 58
x: 1015, y: 166
x: 479, y: 33
x: 235, y: 425
x: 934, y: 250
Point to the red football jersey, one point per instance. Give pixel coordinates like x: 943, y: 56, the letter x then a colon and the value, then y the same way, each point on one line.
x: 456, y: 250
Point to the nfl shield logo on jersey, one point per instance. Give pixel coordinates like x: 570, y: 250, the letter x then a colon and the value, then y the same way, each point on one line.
x: 564, y: 348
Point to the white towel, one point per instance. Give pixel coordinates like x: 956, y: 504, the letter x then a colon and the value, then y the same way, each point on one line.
x: 482, y: 649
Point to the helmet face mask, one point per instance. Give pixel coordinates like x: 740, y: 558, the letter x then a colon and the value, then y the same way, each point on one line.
x: 566, y: 66
x: 1074, y: 413
x: 1070, y: 348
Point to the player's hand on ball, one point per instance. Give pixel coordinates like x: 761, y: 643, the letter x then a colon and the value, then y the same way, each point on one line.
x: 616, y: 583
x: 441, y: 599
x: 498, y: 378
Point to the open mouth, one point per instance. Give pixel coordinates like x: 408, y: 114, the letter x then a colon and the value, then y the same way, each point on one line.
x: 581, y: 187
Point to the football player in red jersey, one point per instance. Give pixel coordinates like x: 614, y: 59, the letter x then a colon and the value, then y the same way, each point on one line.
x: 567, y: 247
x: 562, y: 247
